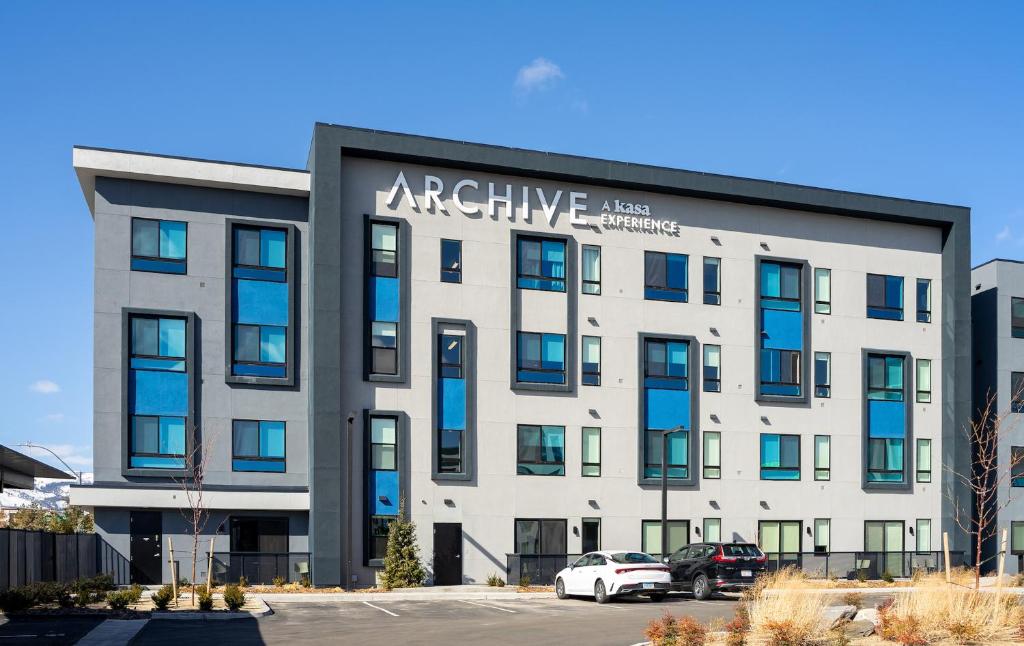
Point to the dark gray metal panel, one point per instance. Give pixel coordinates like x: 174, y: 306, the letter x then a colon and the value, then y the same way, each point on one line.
x: 909, y: 448
x: 469, y: 359
x: 329, y: 479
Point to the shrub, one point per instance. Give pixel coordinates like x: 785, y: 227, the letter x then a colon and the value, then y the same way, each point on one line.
x: 887, y: 577
x: 234, y: 598
x: 163, y: 597
x: 855, y: 599
x: 736, y: 629
x: 669, y: 631
x: 495, y: 581
x: 862, y: 575
x: 402, y: 567
x: 781, y: 614
x: 525, y: 581
x: 119, y: 599
x: 305, y: 582
x: 205, y: 599
x: 136, y: 592
x: 243, y: 582
x: 906, y: 630
x: 16, y: 600
x: 279, y: 581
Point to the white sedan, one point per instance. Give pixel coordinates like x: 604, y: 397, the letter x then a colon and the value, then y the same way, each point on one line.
x: 611, y: 573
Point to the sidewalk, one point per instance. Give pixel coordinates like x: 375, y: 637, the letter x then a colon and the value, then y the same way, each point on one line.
x: 428, y: 593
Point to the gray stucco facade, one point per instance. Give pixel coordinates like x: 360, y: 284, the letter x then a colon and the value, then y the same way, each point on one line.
x: 353, y: 180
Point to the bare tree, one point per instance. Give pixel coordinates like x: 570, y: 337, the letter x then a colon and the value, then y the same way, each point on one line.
x: 196, y: 514
x: 978, y: 516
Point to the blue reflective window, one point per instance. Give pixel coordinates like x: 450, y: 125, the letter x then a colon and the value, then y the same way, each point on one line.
x: 885, y: 297
x: 780, y: 287
x: 540, y: 358
x: 665, y: 276
x: 451, y: 261
x: 159, y: 245
x: 258, y: 445
x: 885, y: 377
x: 1016, y: 466
x: 666, y: 364
x: 261, y: 302
x: 541, y: 450
x: 158, y: 392
x: 157, y: 442
x: 540, y: 264
x: 780, y: 457
x: 678, y: 446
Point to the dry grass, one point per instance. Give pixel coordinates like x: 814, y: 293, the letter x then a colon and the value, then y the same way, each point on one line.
x: 777, y: 616
x: 936, y: 612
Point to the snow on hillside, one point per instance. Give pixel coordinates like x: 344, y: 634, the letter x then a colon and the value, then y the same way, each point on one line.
x: 48, y: 494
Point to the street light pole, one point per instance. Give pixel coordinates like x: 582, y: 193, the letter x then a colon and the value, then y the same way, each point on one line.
x: 664, y: 488
x: 66, y: 465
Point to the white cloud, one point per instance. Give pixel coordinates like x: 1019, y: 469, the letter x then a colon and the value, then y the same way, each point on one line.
x: 45, y: 387
x: 538, y: 75
x: 1004, y: 234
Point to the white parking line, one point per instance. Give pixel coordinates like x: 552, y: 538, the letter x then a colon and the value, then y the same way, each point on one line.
x: 379, y: 608
x: 483, y: 605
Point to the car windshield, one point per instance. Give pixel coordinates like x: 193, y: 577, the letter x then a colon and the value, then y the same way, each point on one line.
x: 633, y: 557
x: 737, y: 549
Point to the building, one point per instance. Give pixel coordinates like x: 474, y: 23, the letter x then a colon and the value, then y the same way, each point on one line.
x: 501, y: 338
x: 997, y: 311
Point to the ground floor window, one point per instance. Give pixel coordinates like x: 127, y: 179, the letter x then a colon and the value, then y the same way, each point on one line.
x: 378, y: 546
x: 540, y: 536
x: 821, y: 535
x: 712, y: 530
x: 780, y: 540
x: 650, y: 536
x: 923, y: 534
x: 885, y: 539
x: 591, y: 534
x: 268, y: 535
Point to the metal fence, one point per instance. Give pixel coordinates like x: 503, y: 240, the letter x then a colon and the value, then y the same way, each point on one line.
x: 542, y: 568
x: 28, y: 556
x: 260, y: 567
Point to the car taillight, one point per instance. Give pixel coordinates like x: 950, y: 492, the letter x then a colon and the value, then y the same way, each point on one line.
x: 762, y: 559
x: 720, y: 557
x: 624, y: 570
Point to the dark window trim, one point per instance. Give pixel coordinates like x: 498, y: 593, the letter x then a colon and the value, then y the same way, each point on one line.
x: 814, y: 286
x: 805, y: 290
x: 454, y: 271
x: 694, y: 361
x: 540, y: 462
x: 516, y: 296
x: 404, y: 277
x: 922, y: 396
x: 799, y: 458
x: 565, y: 352
x: 1017, y: 466
x: 565, y: 261
x: 291, y: 273
x: 177, y: 261
x: 908, y: 384
x: 685, y: 290
x: 1016, y: 393
x: 885, y: 294
x: 469, y: 361
x: 663, y: 339
x: 668, y: 523
x: 600, y: 268
x: 705, y: 380
x: 540, y: 531
x: 191, y: 427
x: 401, y: 462
x: 903, y: 534
x: 600, y: 451
x: 822, y: 391
x: 924, y: 314
x: 1016, y: 331
x: 257, y: 458
x: 917, y: 462
x: 827, y: 470
x: 717, y: 293
x: 583, y: 371
x: 704, y: 465
x: 1015, y: 549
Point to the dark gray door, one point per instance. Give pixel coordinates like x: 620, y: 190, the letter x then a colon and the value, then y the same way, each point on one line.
x: 447, y: 553
x: 146, y: 547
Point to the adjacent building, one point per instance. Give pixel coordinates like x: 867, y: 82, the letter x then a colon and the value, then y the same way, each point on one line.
x: 515, y: 345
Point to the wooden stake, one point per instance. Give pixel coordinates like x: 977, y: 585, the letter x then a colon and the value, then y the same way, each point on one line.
x: 1002, y: 564
x: 174, y: 574
x: 945, y: 552
x: 209, y: 567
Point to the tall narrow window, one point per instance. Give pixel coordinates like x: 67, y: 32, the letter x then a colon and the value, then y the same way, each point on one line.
x: 712, y: 455
x: 540, y: 358
x: 712, y: 530
x: 590, y: 534
x: 1017, y: 318
x: 591, y: 451
x: 885, y: 297
x: 924, y: 300
x: 780, y: 457
x: 591, y: 360
x: 821, y: 535
x: 886, y: 418
x: 541, y: 264
x: 541, y: 450
x: 666, y: 406
x: 665, y: 276
x: 781, y: 329
x: 451, y: 400
x: 1017, y: 392
x: 451, y: 261
x: 261, y: 302
x: 158, y: 392
x: 924, y: 535
x: 1017, y: 466
x: 822, y: 291
x: 822, y: 374
x: 924, y: 381
x: 924, y: 460
x: 257, y: 446
x: 384, y: 297
x: 159, y: 245
x: 712, y: 368
x: 822, y: 457
x: 591, y: 269
x: 650, y: 536
x: 1017, y: 537
x: 712, y: 281
x: 382, y: 485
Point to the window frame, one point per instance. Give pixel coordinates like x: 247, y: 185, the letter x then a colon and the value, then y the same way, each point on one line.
x: 540, y: 535
x: 1016, y: 324
x: 822, y: 306
x: 781, y: 467
x: 891, y: 394
x: 594, y: 377
x: 541, y: 428
x: 798, y: 360
x: 1014, y: 548
x: 823, y: 390
x: 823, y: 474
x: 918, y: 534
x: 1017, y: 392
x: 922, y: 396
x: 583, y: 452
x: 1016, y: 466
x: 669, y: 522
x: 885, y: 297
x: 541, y: 278
x: 711, y: 384
x: 584, y: 282
x: 922, y: 475
x: 924, y: 315
x: 666, y: 290
x: 447, y: 274
x: 704, y: 529
x: 712, y: 297
x: 814, y: 536
x: 402, y: 275
x: 519, y: 367
x: 705, y: 466
x: 150, y: 264
x: 283, y: 460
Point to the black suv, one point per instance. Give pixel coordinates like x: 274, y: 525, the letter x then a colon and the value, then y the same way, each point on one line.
x: 706, y: 568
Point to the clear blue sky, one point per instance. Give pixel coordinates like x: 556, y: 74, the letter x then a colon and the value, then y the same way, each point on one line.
x: 913, y: 99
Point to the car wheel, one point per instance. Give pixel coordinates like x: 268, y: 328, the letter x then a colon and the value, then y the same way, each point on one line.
x: 701, y: 588
x: 560, y: 589
x: 660, y: 596
x: 600, y: 594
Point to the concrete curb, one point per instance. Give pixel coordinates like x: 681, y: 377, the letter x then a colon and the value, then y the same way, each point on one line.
x: 341, y: 597
x: 221, y: 615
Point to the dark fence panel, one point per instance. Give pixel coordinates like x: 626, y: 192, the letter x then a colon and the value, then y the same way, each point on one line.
x: 32, y: 556
x: 260, y: 567
x: 541, y: 568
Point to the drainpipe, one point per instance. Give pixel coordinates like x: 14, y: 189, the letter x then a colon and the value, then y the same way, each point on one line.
x: 346, y: 525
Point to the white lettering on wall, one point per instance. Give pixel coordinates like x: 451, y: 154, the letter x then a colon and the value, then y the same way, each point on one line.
x: 432, y: 188
x: 404, y: 185
x: 575, y: 206
x: 505, y: 198
x: 549, y: 210
x: 457, y: 198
